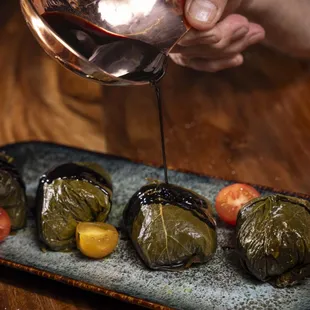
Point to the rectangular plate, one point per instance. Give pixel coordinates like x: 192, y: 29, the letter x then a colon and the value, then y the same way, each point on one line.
x: 219, y: 284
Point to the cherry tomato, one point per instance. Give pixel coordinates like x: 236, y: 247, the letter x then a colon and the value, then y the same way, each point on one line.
x: 231, y: 199
x: 96, y: 240
x: 5, y: 224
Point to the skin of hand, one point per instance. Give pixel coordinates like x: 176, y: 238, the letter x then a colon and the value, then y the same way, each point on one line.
x: 218, y: 36
x: 286, y: 23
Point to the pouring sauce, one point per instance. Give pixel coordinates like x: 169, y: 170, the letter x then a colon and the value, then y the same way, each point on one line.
x: 119, y: 56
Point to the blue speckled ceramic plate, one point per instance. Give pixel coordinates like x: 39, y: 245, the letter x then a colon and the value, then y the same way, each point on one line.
x: 220, y: 284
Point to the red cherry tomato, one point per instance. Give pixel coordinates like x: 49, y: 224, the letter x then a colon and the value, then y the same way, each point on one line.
x: 231, y: 199
x: 5, y: 224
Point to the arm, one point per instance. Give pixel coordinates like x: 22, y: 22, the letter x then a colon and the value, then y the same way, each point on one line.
x: 286, y: 22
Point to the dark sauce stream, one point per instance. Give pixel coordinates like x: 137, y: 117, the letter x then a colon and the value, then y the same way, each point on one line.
x: 161, y: 124
x: 123, y: 57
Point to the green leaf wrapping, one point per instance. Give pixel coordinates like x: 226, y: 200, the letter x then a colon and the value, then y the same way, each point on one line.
x: 12, y: 193
x: 170, y: 227
x: 273, y: 239
x: 69, y: 194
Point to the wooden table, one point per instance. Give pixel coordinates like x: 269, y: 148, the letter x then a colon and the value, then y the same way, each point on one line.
x: 250, y: 124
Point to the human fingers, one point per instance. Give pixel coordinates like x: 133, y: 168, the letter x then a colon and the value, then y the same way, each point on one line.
x: 233, y: 26
x: 224, y: 48
x: 204, y: 14
x: 207, y: 65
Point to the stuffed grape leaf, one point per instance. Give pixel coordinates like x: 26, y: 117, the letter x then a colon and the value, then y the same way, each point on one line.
x: 170, y: 227
x: 69, y: 194
x: 273, y: 239
x: 12, y: 193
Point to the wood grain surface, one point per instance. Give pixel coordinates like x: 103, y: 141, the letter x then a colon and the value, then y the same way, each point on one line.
x: 250, y: 124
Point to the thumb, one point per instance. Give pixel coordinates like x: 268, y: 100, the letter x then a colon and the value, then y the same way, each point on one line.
x: 204, y: 14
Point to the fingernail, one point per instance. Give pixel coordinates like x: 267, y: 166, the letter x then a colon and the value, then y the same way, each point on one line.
x: 202, y: 10
x: 240, y: 32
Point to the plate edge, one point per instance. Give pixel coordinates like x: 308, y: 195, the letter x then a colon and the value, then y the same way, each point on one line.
x: 85, y: 286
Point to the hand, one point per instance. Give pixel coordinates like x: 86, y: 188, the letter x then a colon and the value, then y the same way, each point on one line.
x: 218, y: 36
